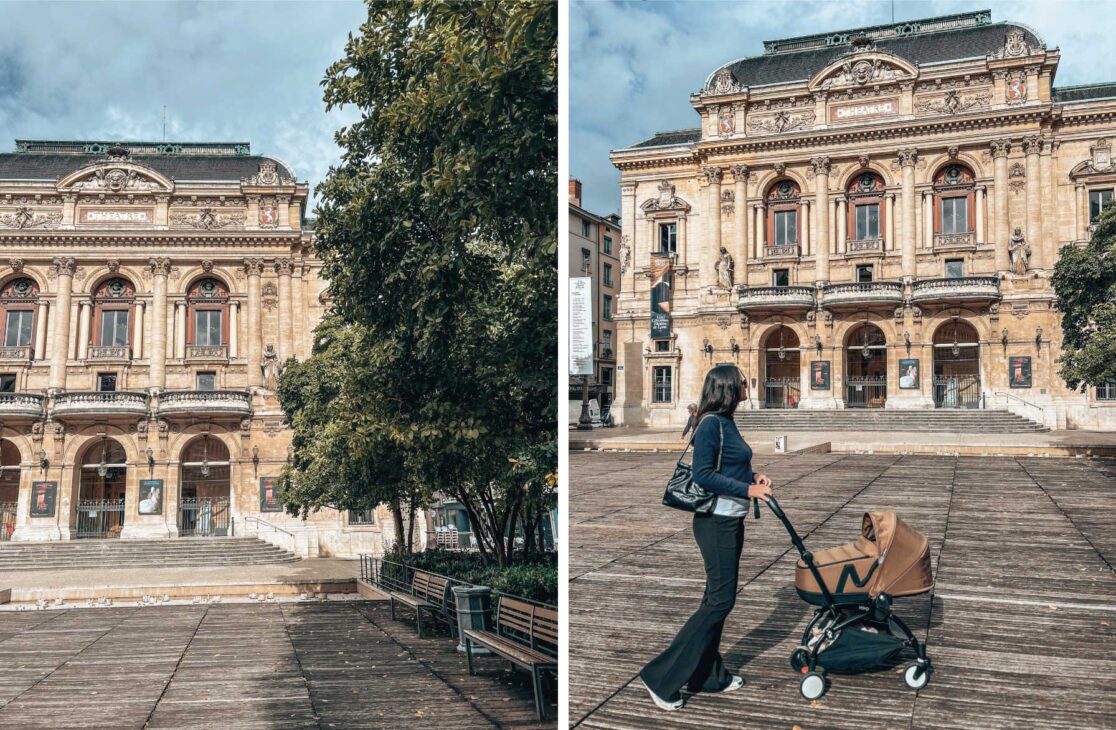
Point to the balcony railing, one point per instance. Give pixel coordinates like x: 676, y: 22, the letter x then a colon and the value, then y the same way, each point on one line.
x: 100, y: 403
x: 207, y: 352
x: 110, y: 353
x: 883, y: 292
x: 963, y: 288
x: 864, y: 245
x: 954, y: 240
x: 787, y: 250
x: 27, y: 405
x: 777, y: 297
x: 209, y: 402
x: 15, y: 353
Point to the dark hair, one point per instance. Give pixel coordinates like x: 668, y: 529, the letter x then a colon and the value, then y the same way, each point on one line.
x: 722, y: 391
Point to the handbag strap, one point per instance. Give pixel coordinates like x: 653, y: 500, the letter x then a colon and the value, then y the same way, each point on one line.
x: 691, y: 441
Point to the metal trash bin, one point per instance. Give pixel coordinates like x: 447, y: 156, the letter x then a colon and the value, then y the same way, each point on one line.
x: 474, y: 612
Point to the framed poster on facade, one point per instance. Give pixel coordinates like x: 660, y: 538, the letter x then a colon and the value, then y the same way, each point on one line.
x: 908, y: 374
x: 151, y: 497
x: 269, y: 495
x: 660, y: 295
x: 819, y: 375
x: 1019, y: 371
x: 44, y: 499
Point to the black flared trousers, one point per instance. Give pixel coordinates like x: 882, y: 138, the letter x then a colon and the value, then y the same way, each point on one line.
x: 693, y: 660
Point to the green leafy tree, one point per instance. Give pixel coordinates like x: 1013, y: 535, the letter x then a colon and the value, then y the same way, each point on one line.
x: 438, y: 234
x: 1085, y: 284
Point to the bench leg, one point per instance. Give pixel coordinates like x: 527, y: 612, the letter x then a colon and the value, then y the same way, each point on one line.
x: 418, y: 620
x: 469, y: 654
x: 392, y: 608
x: 540, y: 710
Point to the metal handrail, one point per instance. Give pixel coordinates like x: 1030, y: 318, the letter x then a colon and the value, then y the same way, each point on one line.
x: 1041, y: 411
x: 369, y: 570
x: 259, y: 522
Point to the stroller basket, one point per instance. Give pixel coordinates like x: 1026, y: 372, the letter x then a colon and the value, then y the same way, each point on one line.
x: 889, y: 557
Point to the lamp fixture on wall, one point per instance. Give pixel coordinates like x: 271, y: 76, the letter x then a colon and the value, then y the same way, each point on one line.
x: 1038, y: 338
x: 150, y: 460
x: 735, y: 346
x: 907, y: 341
x: 44, y: 462
x: 708, y: 348
x: 782, y: 349
x: 1004, y: 338
x: 205, y: 456
x: 818, y: 343
x: 255, y: 456
x: 102, y: 468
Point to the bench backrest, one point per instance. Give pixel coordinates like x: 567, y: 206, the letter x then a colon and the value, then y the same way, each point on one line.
x: 430, y: 588
x: 528, y: 623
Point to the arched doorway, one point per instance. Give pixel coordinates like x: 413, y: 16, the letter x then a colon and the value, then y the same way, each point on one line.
x: 103, y: 481
x: 956, y: 366
x: 781, y: 369
x: 203, y: 504
x: 9, y: 488
x: 866, y: 367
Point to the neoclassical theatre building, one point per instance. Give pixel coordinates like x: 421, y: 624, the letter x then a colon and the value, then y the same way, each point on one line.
x: 866, y: 219
x: 149, y: 294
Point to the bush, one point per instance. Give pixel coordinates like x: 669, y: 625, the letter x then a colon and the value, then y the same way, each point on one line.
x: 535, y: 580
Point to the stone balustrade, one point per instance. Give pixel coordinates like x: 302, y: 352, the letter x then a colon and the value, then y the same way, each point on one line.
x: 21, y: 405
x: 873, y: 292
x: 776, y: 297
x: 208, y: 402
x: 958, y: 289
x: 97, y: 403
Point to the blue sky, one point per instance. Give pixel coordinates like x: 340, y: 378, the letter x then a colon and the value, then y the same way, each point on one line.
x: 227, y: 71
x: 633, y: 65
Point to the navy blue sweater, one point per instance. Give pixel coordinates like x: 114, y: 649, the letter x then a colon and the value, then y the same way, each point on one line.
x: 736, y: 462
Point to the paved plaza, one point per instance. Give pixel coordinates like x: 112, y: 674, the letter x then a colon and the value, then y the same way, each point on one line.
x: 1021, y: 625
x: 335, y: 664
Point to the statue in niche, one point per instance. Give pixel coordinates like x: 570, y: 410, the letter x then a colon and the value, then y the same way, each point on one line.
x: 271, y: 367
x: 1020, y: 253
x: 724, y: 268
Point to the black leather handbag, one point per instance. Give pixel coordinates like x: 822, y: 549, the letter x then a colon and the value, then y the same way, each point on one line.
x: 682, y: 491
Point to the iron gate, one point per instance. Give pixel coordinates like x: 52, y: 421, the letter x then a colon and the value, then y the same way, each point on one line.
x: 956, y: 391
x: 100, y: 517
x: 7, y: 520
x: 781, y: 392
x: 203, y: 518
x: 866, y: 391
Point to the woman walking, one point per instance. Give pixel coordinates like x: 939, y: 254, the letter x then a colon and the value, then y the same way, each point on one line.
x: 693, y: 660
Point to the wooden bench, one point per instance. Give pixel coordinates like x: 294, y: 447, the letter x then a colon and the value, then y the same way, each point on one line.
x: 521, y: 630
x: 428, y: 593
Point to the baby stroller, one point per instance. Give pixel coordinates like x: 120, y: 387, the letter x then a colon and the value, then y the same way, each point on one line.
x: 853, y: 629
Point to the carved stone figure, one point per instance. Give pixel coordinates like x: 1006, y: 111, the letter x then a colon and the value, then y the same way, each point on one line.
x: 271, y: 367
x: 625, y: 254
x: 724, y: 268
x: 1020, y: 253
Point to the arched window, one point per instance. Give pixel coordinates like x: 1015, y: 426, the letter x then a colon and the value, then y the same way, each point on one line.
x: 783, y: 205
x: 17, y: 306
x: 866, y: 212
x: 953, y: 201
x: 208, y: 300
x: 113, y: 302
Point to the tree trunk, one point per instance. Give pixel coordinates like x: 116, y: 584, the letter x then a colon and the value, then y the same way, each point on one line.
x: 411, y: 527
x: 397, y: 519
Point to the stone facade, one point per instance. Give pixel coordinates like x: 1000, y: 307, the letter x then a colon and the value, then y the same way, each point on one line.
x: 150, y: 294
x: 892, y: 226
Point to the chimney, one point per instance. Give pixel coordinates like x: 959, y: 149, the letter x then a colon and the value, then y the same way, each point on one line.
x: 575, y: 191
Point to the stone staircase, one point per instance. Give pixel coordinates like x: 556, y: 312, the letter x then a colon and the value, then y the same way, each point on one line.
x: 854, y: 419
x: 115, y: 553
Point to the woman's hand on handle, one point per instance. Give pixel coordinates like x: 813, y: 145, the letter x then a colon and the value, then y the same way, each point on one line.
x: 761, y: 489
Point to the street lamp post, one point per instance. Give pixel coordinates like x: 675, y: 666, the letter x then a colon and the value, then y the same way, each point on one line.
x: 584, y: 423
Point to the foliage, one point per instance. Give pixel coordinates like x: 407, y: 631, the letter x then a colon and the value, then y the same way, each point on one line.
x: 438, y: 234
x: 536, y: 579
x: 1085, y: 284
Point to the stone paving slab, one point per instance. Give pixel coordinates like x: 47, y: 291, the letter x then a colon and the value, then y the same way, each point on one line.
x: 1021, y: 624
x: 334, y: 664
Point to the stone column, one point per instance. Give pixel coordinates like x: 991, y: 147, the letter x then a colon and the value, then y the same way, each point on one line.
x: 740, y: 221
x: 842, y: 224
x: 760, y: 229
x: 64, y: 268
x: 907, y: 159
x: 41, y: 330
x: 298, y: 311
x: 889, y: 218
x: 980, y: 203
x: 160, y: 269
x: 1001, y: 235
x: 283, y: 205
x: 806, y: 228
x: 85, y: 315
x: 254, y: 268
x: 180, y: 330
x: 821, y: 167
x: 712, y: 248
x: 628, y: 239
x: 283, y: 268
x: 137, y: 332
x: 1033, y: 148
x: 1081, y: 219
x: 234, y: 326
x: 927, y: 219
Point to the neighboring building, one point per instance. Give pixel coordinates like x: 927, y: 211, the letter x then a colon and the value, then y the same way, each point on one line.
x: 594, y: 252
x: 149, y: 293
x: 891, y: 202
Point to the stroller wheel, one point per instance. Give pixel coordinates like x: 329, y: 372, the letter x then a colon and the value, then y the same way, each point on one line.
x: 813, y: 685
x: 916, y: 676
x: 799, y: 659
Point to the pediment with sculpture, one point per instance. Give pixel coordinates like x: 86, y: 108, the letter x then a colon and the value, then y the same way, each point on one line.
x: 665, y: 201
x: 863, y: 69
x: 115, y: 176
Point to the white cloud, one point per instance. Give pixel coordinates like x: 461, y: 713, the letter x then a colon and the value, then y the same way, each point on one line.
x: 633, y: 65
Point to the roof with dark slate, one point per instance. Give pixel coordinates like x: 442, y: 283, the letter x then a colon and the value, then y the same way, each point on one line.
x: 931, y: 40
x: 1084, y: 93
x: 663, y: 139
x: 55, y: 160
